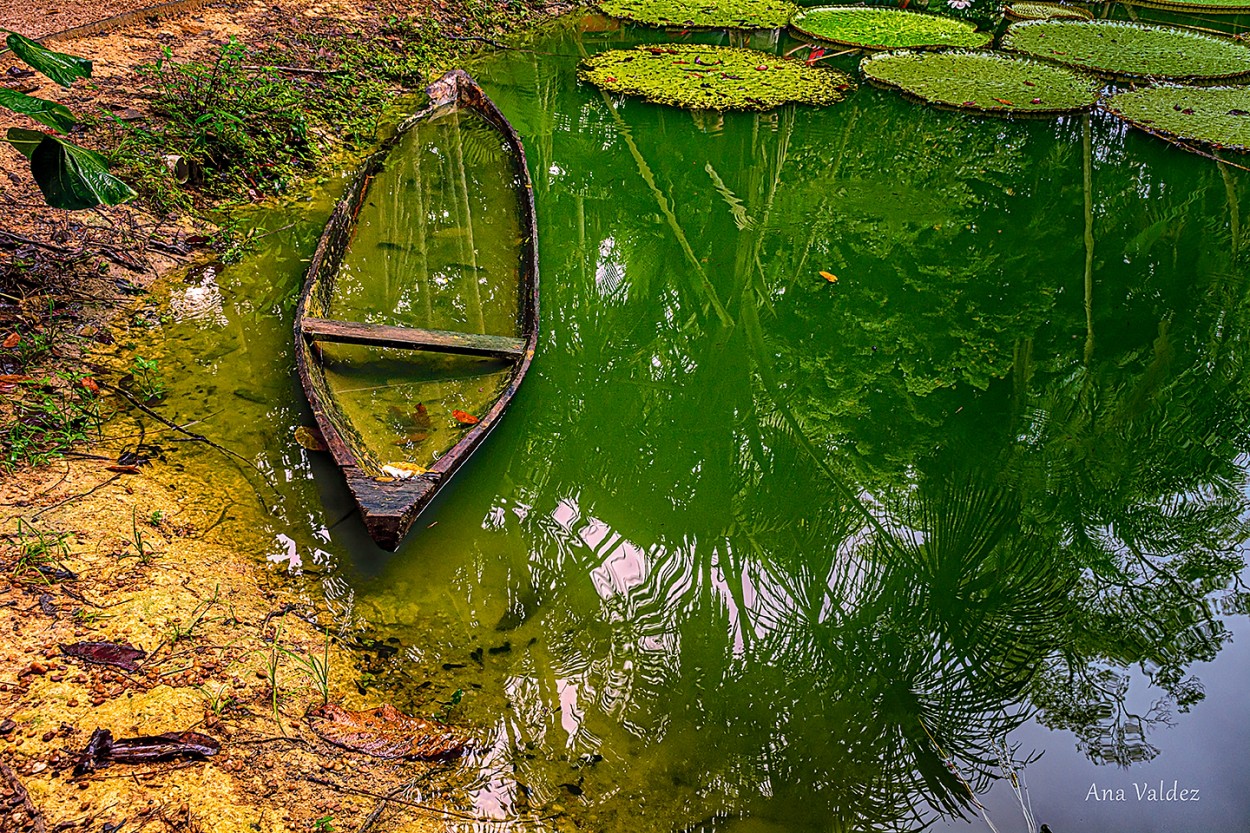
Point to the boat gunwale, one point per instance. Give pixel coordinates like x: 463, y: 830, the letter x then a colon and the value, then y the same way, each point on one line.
x: 389, y: 523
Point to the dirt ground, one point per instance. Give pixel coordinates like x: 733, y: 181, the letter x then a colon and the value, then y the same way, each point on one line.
x: 231, y: 647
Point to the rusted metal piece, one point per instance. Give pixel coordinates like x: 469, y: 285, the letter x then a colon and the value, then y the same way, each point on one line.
x: 389, y: 507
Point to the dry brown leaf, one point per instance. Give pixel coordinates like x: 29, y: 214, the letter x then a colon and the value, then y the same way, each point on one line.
x: 385, y: 732
x: 12, y: 341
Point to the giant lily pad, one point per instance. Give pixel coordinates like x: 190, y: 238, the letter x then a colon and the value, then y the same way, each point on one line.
x: 714, y: 14
x: 1026, y: 10
x: 713, y: 77
x: 1217, y: 116
x: 876, y: 28
x: 1131, y: 49
x: 987, y: 82
x: 1208, y: 6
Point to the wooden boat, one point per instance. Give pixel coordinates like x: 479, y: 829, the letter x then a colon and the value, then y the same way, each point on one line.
x: 420, y: 413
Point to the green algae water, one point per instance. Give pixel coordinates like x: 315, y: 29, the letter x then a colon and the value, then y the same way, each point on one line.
x: 755, y: 550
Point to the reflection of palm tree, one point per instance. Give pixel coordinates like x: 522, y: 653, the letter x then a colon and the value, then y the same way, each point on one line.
x: 837, y: 658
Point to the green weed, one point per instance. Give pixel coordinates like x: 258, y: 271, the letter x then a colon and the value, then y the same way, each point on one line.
x: 49, y: 416
x: 149, y: 382
x: 37, y: 549
x: 317, y: 669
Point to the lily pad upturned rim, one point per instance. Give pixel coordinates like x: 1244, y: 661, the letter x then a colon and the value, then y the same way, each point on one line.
x: 999, y: 109
x: 1056, y: 11
x: 786, y: 9
x: 1193, y: 6
x: 961, y: 26
x: 1013, y: 31
x: 818, y: 86
x: 1166, y: 127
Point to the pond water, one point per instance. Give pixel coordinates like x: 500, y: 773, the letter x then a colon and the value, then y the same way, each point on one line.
x: 755, y: 550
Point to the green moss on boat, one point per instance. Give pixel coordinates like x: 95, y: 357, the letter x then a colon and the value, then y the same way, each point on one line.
x: 710, y: 14
x: 985, y: 82
x: 713, y: 77
x: 1026, y: 10
x: 876, y: 28
x: 1218, y: 116
x: 1131, y: 50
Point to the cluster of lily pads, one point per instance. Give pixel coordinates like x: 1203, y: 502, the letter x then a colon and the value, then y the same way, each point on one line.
x: 1055, y: 59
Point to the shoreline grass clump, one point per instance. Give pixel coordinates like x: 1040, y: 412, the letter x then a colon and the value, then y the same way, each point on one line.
x: 984, y: 82
x: 1217, y: 116
x: 1131, y: 50
x: 1028, y: 10
x: 703, y: 14
x: 880, y: 28
x: 713, y: 77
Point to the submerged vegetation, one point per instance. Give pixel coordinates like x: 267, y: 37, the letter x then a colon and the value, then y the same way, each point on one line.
x: 884, y: 28
x: 713, y: 77
x: 1218, y: 116
x: 1118, y: 49
x: 983, y: 81
x: 717, y: 14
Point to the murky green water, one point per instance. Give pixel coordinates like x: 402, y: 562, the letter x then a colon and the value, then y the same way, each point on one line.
x: 756, y: 551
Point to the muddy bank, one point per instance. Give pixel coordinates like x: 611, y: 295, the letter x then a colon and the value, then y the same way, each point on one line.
x: 101, y: 541
x: 233, y: 651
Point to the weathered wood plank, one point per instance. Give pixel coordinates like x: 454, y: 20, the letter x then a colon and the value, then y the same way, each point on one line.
x: 413, y: 338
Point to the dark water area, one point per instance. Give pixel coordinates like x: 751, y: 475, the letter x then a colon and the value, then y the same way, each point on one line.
x: 757, y: 551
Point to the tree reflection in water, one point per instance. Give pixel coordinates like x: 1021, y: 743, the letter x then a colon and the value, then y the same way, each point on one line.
x: 788, y: 550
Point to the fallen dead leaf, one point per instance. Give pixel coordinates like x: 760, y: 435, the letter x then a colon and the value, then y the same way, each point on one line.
x: 385, y: 732
x: 310, y: 438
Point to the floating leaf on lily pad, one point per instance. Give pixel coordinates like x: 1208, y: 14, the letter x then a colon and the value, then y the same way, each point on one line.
x: 385, y: 732
x: 1027, y: 10
x: 986, y: 82
x: 1132, y: 50
x: 881, y: 28
x: 712, y: 14
x: 713, y: 77
x: 1218, y: 116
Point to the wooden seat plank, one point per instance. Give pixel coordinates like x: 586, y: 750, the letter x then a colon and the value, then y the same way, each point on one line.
x: 413, y: 338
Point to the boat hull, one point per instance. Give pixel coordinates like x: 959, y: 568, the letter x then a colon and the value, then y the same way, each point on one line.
x: 389, y: 505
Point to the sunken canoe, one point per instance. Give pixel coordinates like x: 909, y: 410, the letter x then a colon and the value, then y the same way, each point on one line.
x: 446, y: 377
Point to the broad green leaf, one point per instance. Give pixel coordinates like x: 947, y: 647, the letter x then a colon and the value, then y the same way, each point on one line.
x: 56, y: 116
x: 61, y: 68
x: 25, y: 140
x: 74, y: 178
